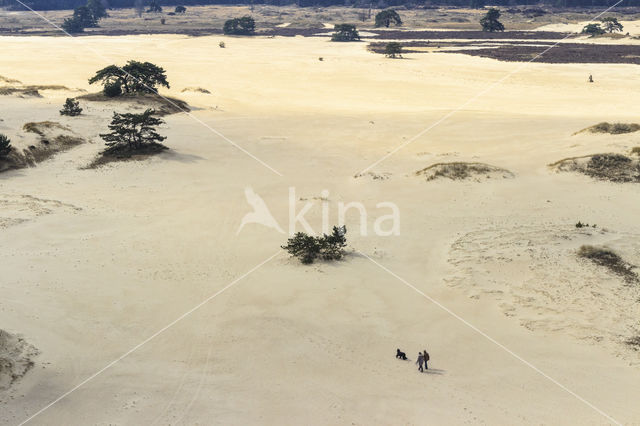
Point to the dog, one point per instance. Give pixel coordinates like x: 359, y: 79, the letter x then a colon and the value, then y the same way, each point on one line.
x: 401, y: 355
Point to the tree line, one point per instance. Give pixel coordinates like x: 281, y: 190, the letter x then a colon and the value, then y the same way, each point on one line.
x: 378, y: 4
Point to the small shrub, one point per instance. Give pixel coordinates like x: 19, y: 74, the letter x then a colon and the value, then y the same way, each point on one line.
x: 180, y: 9
x: 345, y: 32
x: 163, y: 21
x: 72, y: 25
x: 490, y: 21
x: 5, y: 146
x: 240, y: 26
x: 393, y: 50
x: 387, y: 17
x: 308, y: 248
x: 611, y: 24
x: 71, y: 107
x: 593, y: 30
x: 584, y: 225
x: 222, y: 45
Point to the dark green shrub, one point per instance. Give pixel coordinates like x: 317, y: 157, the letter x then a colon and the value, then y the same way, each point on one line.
x: 71, y: 107
x: 5, y: 146
x: 308, y: 248
x: 111, y: 90
x: 72, y: 25
x: 345, y: 32
x: 387, y: 17
x: 240, y: 26
x: 490, y: 21
x: 393, y: 50
x: 180, y: 9
x: 593, y: 30
x: 611, y: 24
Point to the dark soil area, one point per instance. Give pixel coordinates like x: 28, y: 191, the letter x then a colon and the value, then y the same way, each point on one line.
x: 563, y: 53
x: 468, y: 35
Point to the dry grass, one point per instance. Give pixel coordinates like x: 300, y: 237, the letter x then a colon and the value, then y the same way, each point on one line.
x: 40, y: 127
x: 612, y: 128
x: 609, y: 167
x: 611, y: 260
x: 463, y: 171
x: 123, y: 153
x: 163, y: 105
x: 196, y: 89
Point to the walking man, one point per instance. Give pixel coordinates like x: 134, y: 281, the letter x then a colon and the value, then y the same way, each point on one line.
x: 420, y: 361
x: 426, y: 358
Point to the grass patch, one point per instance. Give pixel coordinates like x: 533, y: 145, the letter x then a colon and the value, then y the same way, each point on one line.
x: 612, y: 128
x: 603, y: 256
x: 609, y: 167
x: 39, y: 127
x: 163, y: 105
x: 124, y: 153
x: 633, y: 343
x: 635, y: 150
x: 196, y: 89
x: 463, y: 171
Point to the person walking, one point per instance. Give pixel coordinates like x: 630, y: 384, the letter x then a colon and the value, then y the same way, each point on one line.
x: 420, y: 361
x: 425, y: 355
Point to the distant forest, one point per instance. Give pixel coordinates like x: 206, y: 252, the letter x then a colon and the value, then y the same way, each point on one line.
x: 378, y: 4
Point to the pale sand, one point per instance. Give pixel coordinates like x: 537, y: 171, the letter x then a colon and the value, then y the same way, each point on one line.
x: 95, y: 261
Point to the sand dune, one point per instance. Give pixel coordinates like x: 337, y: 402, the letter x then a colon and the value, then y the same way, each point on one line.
x: 99, y: 260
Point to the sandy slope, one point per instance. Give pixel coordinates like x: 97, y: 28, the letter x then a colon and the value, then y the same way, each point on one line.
x: 96, y: 261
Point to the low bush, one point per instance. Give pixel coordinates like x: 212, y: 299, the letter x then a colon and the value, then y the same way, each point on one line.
x: 308, y: 248
x: 71, y: 108
x: 5, y: 146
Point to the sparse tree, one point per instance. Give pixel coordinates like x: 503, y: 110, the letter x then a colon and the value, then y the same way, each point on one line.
x: 593, y: 30
x: 154, y: 7
x: 97, y: 9
x: 85, y: 17
x: 134, y: 77
x: 72, y: 25
x: 240, y: 26
x: 133, y: 132
x: 71, y: 107
x: 5, y: 146
x: 180, y: 9
x: 388, y: 17
x: 345, y: 32
x: 393, y: 50
x: 611, y: 24
x: 490, y: 21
